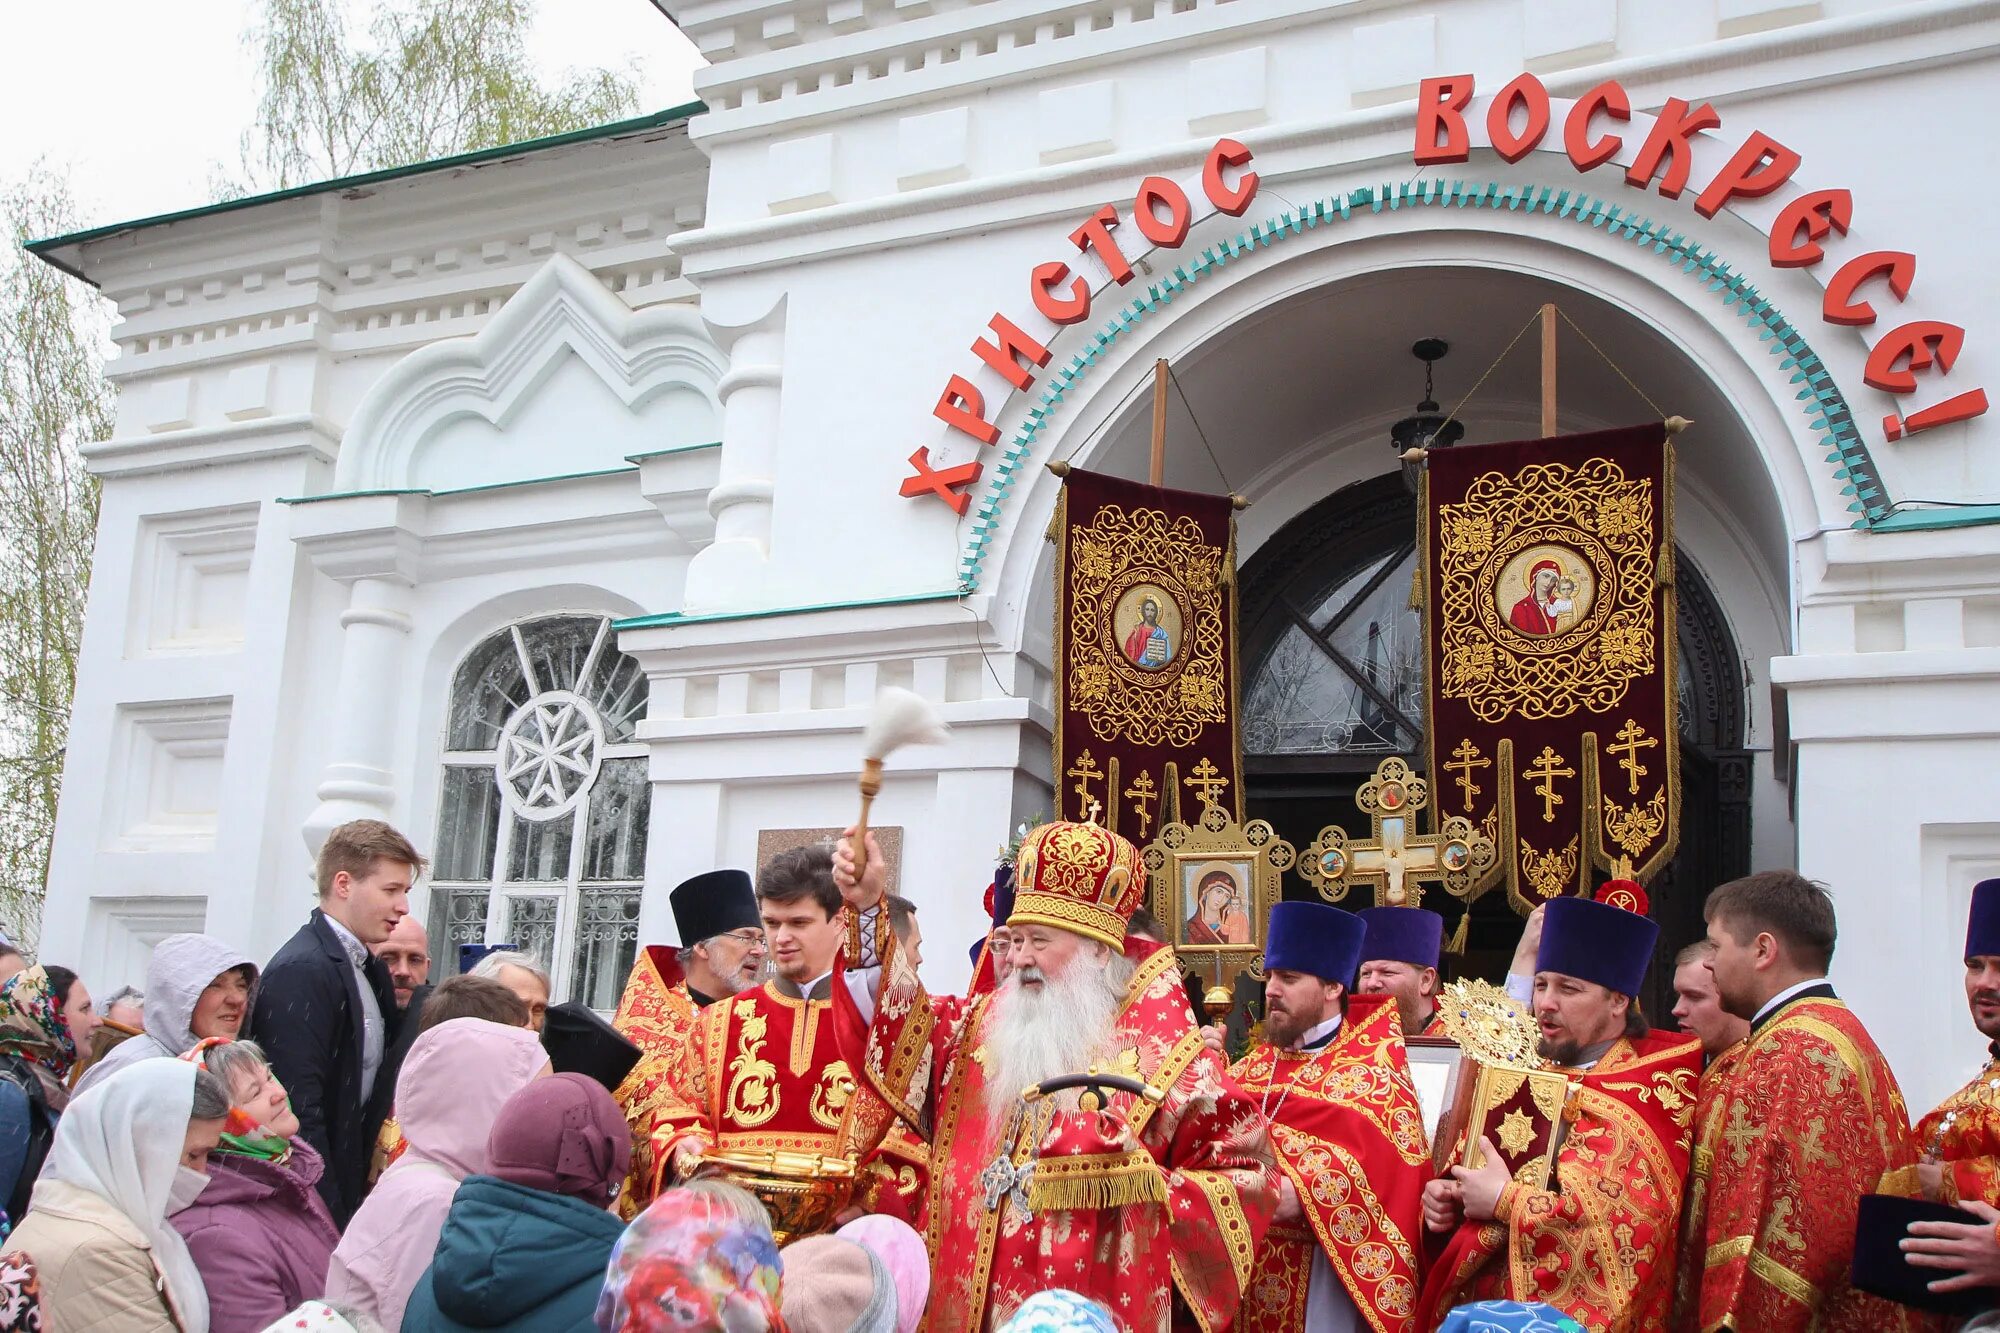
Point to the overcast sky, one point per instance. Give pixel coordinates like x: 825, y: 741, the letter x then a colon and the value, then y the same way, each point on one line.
x: 141, y: 100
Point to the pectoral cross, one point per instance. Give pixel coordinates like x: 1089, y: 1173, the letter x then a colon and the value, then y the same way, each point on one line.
x: 1207, y: 780
x: 1465, y: 761
x: 1003, y: 1180
x: 1632, y: 738
x: 1143, y: 794
x: 1548, y: 766
x: 1085, y: 771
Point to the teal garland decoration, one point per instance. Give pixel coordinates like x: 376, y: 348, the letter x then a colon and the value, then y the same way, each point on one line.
x: 1819, y: 397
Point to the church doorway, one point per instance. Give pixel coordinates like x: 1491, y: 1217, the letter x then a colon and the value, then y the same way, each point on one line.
x: 1332, y: 658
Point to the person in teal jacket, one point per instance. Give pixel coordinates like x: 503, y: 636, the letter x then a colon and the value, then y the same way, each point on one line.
x: 526, y: 1247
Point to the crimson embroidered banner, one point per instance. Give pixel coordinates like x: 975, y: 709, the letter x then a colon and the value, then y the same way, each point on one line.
x: 1549, y: 615
x: 1145, y: 654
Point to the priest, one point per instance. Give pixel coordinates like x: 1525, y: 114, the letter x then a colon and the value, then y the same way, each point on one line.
x: 1347, y: 1133
x: 1149, y: 1194
x: 1807, y: 1120
x: 722, y: 952
x: 1400, y: 957
x: 1600, y: 1245
x: 1960, y: 1140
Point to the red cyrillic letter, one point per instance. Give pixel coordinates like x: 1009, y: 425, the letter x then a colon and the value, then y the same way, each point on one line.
x: 947, y: 484
x: 1669, y: 140
x: 1760, y: 166
x: 1055, y: 309
x: 1440, y: 107
x: 1095, y: 235
x: 962, y: 407
x: 1527, y: 91
x: 1008, y: 349
x: 1924, y: 341
x: 1963, y: 407
x: 1159, y: 190
x: 1839, y: 305
x: 1608, y: 97
x: 1228, y: 153
x: 1814, y: 215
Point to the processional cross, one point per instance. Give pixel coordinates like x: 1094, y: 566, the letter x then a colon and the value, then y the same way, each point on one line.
x: 1398, y: 860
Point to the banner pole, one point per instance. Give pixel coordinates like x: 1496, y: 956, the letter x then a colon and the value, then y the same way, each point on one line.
x: 1156, y: 471
x: 1548, y: 370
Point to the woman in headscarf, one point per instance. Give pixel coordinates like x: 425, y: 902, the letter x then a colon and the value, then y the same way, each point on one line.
x: 455, y: 1080
x: 45, y: 1018
x: 196, y: 987
x: 260, y: 1234
x: 699, y: 1258
x: 525, y: 1247
x: 128, y: 1153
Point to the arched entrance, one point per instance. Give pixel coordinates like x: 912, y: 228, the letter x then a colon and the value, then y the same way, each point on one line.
x: 1332, y: 660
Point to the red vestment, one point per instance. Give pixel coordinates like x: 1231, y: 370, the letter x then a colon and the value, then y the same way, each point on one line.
x: 656, y: 1013
x: 1347, y: 1129
x: 1529, y: 617
x: 1963, y: 1134
x: 1128, y: 1205
x: 1806, y: 1120
x: 1707, y: 1106
x: 1600, y: 1246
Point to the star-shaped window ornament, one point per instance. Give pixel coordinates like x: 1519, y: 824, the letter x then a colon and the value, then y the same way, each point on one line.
x: 549, y: 754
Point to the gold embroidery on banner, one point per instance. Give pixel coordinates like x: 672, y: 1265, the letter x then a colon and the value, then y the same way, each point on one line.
x: 1635, y: 828
x: 753, y: 1086
x: 1550, y: 872
x: 1598, y: 526
x: 832, y: 1094
x: 1170, y: 696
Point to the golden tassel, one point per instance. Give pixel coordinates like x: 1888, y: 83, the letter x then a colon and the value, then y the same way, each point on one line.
x: 1417, y: 588
x: 1456, y: 944
x: 1110, y: 1187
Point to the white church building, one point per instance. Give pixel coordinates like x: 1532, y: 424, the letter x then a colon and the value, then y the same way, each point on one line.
x: 566, y: 504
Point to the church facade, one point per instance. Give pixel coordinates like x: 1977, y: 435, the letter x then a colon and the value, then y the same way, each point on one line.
x: 566, y: 505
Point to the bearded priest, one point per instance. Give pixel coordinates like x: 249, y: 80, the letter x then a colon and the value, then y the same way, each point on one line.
x: 721, y: 954
x: 1347, y: 1132
x: 1960, y: 1140
x: 1600, y: 1246
x: 1152, y: 1201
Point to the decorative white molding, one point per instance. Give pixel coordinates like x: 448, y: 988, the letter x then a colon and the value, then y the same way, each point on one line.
x: 562, y: 311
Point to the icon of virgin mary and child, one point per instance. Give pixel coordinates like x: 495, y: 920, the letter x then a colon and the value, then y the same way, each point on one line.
x: 1551, y: 596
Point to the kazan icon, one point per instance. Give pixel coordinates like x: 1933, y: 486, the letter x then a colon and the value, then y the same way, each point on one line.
x: 1216, y: 898
x: 1147, y: 622
x: 1557, y: 586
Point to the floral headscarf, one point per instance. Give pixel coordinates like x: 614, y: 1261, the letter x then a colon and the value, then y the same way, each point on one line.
x: 1059, y: 1311
x: 241, y: 1134
x: 32, y: 1026
x: 689, y: 1263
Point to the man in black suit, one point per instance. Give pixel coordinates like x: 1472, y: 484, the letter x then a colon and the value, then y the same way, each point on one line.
x: 326, y: 1011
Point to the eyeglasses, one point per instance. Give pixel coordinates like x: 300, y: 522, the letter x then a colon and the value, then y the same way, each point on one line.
x: 752, y: 939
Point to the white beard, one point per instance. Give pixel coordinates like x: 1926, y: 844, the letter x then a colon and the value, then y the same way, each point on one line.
x: 1045, y: 1032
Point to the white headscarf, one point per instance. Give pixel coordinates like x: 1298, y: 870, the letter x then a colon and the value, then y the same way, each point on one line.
x: 122, y: 1140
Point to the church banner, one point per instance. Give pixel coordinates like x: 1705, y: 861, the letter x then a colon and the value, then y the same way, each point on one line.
x: 1145, y: 654
x: 1548, y: 602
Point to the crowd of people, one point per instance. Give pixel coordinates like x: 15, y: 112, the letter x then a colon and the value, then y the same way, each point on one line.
x: 782, y: 1128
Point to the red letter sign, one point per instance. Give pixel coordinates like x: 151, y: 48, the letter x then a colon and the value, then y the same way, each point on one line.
x: 1924, y: 342
x: 1760, y: 166
x: 1008, y: 349
x: 962, y: 407
x: 1155, y: 190
x: 1527, y: 91
x: 1041, y: 284
x: 1814, y: 215
x: 1440, y: 104
x: 947, y: 484
x: 1096, y: 235
x: 1840, y: 307
x: 1608, y: 97
x: 1228, y: 153
x: 1669, y: 140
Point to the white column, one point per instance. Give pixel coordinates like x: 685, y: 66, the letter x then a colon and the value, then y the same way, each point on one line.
x: 729, y: 573
x: 683, y: 839
x: 358, y: 783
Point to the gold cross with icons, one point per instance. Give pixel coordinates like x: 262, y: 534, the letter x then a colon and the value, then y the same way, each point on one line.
x: 1397, y: 861
x: 1548, y: 766
x: 1465, y: 761
x: 1632, y: 738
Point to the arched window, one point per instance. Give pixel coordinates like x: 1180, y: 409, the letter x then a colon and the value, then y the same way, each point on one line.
x: 541, y: 837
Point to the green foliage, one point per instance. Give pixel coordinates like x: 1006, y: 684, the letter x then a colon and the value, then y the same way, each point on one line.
x: 53, y: 399
x: 436, y: 78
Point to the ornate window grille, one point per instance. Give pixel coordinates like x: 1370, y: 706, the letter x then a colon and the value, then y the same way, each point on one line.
x: 542, y: 816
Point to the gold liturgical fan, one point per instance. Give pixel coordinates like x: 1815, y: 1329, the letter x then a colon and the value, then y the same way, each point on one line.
x: 1398, y: 860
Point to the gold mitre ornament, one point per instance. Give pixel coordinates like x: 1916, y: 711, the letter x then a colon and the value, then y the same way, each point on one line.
x: 1489, y: 1025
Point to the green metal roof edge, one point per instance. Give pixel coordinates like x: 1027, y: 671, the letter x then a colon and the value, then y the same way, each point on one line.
x: 463, y: 490
x: 1958, y: 516
x: 653, y: 120
x: 669, y: 619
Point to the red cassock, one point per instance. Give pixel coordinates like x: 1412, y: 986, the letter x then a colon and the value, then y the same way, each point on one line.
x: 1803, y: 1123
x: 1963, y: 1134
x: 1348, y: 1131
x: 1601, y: 1246
x: 1131, y: 1205
x: 656, y: 1013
